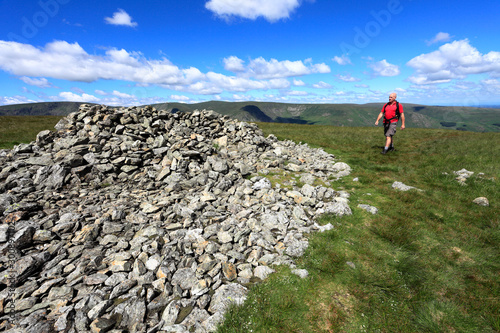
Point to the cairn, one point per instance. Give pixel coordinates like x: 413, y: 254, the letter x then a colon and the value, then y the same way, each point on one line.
x: 142, y: 220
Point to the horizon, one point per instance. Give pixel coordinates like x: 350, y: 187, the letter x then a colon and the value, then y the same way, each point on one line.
x: 288, y: 51
x: 489, y: 106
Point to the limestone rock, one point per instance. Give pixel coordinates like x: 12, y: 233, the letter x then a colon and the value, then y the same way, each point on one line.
x: 482, y: 201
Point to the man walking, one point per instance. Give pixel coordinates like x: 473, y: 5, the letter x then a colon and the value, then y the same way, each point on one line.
x: 391, y: 112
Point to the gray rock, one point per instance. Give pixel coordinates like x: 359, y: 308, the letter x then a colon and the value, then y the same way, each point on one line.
x: 481, y: 201
x: 336, y: 208
x: 262, y: 272
x: 368, y: 208
x: 232, y: 293
x: 263, y: 183
x: 402, y: 187
x: 302, y: 273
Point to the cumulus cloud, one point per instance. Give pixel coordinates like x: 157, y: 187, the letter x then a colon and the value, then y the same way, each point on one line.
x: 120, y: 17
x: 261, y: 68
x: 122, y: 95
x: 234, y: 64
x: 72, y: 97
x: 383, y: 68
x: 40, y: 83
x: 62, y: 60
x: 270, y: 10
x: 179, y: 98
x: 454, y: 60
x: 298, y: 83
x: 343, y: 60
x: 69, y: 61
x: 439, y: 38
x: 8, y: 100
x: 264, y: 69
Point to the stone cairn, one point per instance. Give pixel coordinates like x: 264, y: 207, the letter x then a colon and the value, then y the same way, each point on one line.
x: 141, y: 220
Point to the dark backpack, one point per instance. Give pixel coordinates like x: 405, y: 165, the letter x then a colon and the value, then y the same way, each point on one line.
x: 398, y: 114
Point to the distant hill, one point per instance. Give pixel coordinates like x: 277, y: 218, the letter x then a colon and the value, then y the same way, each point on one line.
x: 477, y: 119
x: 40, y: 109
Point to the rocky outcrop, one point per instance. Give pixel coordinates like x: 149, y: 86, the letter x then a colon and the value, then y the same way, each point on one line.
x: 141, y: 220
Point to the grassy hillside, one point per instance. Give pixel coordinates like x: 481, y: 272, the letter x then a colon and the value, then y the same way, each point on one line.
x: 429, y: 261
x: 351, y: 115
x: 23, y: 129
x: 40, y: 109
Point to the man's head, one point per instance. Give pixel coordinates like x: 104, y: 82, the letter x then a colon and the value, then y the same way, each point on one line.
x: 392, y: 97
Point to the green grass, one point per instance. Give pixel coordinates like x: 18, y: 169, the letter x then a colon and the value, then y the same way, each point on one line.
x: 23, y: 129
x: 427, y: 262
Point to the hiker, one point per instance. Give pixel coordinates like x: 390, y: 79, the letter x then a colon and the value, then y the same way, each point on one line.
x: 391, y: 113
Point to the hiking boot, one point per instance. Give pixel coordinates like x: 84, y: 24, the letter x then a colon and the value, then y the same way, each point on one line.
x: 391, y: 149
x: 384, y: 152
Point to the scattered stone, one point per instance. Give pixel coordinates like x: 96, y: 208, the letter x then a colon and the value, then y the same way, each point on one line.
x: 481, y: 201
x: 302, y: 273
x: 368, y: 208
x: 402, y: 187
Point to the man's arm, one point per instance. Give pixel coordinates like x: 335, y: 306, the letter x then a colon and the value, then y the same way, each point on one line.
x: 379, y: 117
x: 402, y: 121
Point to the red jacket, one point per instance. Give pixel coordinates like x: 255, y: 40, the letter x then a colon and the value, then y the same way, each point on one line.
x: 390, y: 112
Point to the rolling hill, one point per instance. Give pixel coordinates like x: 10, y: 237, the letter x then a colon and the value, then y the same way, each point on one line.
x: 353, y: 115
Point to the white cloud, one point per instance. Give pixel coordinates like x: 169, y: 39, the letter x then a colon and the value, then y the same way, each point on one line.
x: 72, y: 97
x: 122, y: 95
x: 298, y: 83
x: 322, y: 85
x: 69, y: 61
x: 62, y: 60
x: 297, y: 93
x: 491, y: 86
x: 440, y: 37
x: 234, y: 64
x: 242, y: 97
x: 263, y: 69
x: 41, y: 82
x: 451, y: 61
x: 271, y: 10
x: 383, y: 68
x: 121, y: 17
x: 8, y: 100
x: 343, y: 60
x: 179, y: 98
x: 347, y: 78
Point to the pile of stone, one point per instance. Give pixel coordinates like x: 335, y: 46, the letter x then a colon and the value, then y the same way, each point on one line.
x: 140, y: 220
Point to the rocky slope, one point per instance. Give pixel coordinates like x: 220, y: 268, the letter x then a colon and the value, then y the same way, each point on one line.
x: 140, y: 220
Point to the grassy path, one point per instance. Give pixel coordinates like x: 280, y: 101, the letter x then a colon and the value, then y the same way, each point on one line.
x: 427, y: 262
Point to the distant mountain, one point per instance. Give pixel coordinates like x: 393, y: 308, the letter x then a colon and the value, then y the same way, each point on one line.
x: 40, y: 109
x: 478, y: 119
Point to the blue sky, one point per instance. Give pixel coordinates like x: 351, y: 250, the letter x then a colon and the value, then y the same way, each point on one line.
x: 293, y: 51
